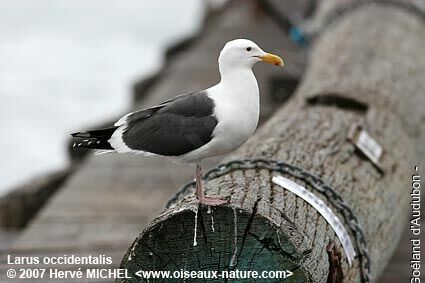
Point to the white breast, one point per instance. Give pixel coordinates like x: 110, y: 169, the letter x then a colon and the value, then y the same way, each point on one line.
x: 237, y: 117
x: 237, y: 109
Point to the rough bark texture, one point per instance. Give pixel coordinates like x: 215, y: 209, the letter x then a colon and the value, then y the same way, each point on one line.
x: 366, y: 59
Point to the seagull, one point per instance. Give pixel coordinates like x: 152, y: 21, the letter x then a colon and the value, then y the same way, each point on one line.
x: 197, y: 125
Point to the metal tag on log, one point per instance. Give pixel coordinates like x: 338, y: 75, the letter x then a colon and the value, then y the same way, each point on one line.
x: 323, y: 209
x: 367, y: 145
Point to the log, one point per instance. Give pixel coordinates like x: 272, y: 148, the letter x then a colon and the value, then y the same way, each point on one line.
x: 364, y: 69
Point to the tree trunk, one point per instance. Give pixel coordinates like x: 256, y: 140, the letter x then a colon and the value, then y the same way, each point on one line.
x: 366, y: 69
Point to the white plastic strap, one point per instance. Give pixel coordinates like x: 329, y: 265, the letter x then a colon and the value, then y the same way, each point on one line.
x: 324, y: 210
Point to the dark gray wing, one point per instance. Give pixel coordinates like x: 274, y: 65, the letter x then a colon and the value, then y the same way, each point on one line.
x: 174, y: 127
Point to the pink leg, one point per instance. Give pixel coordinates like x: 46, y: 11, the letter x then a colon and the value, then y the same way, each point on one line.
x: 213, y: 201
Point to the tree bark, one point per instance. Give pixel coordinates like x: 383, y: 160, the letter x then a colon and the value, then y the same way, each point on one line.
x: 366, y: 68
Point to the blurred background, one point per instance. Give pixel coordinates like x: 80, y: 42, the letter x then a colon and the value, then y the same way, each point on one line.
x: 70, y: 64
x: 67, y: 65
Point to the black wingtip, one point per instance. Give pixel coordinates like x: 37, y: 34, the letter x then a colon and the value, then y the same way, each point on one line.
x: 81, y: 135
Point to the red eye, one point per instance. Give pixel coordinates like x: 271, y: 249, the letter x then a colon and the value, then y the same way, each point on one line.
x: 248, y: 49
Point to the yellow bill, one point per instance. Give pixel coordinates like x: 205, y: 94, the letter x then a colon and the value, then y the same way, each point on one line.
x: 272, y: 59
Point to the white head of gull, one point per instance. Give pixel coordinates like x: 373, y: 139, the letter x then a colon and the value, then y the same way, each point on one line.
x: 193, y: 126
